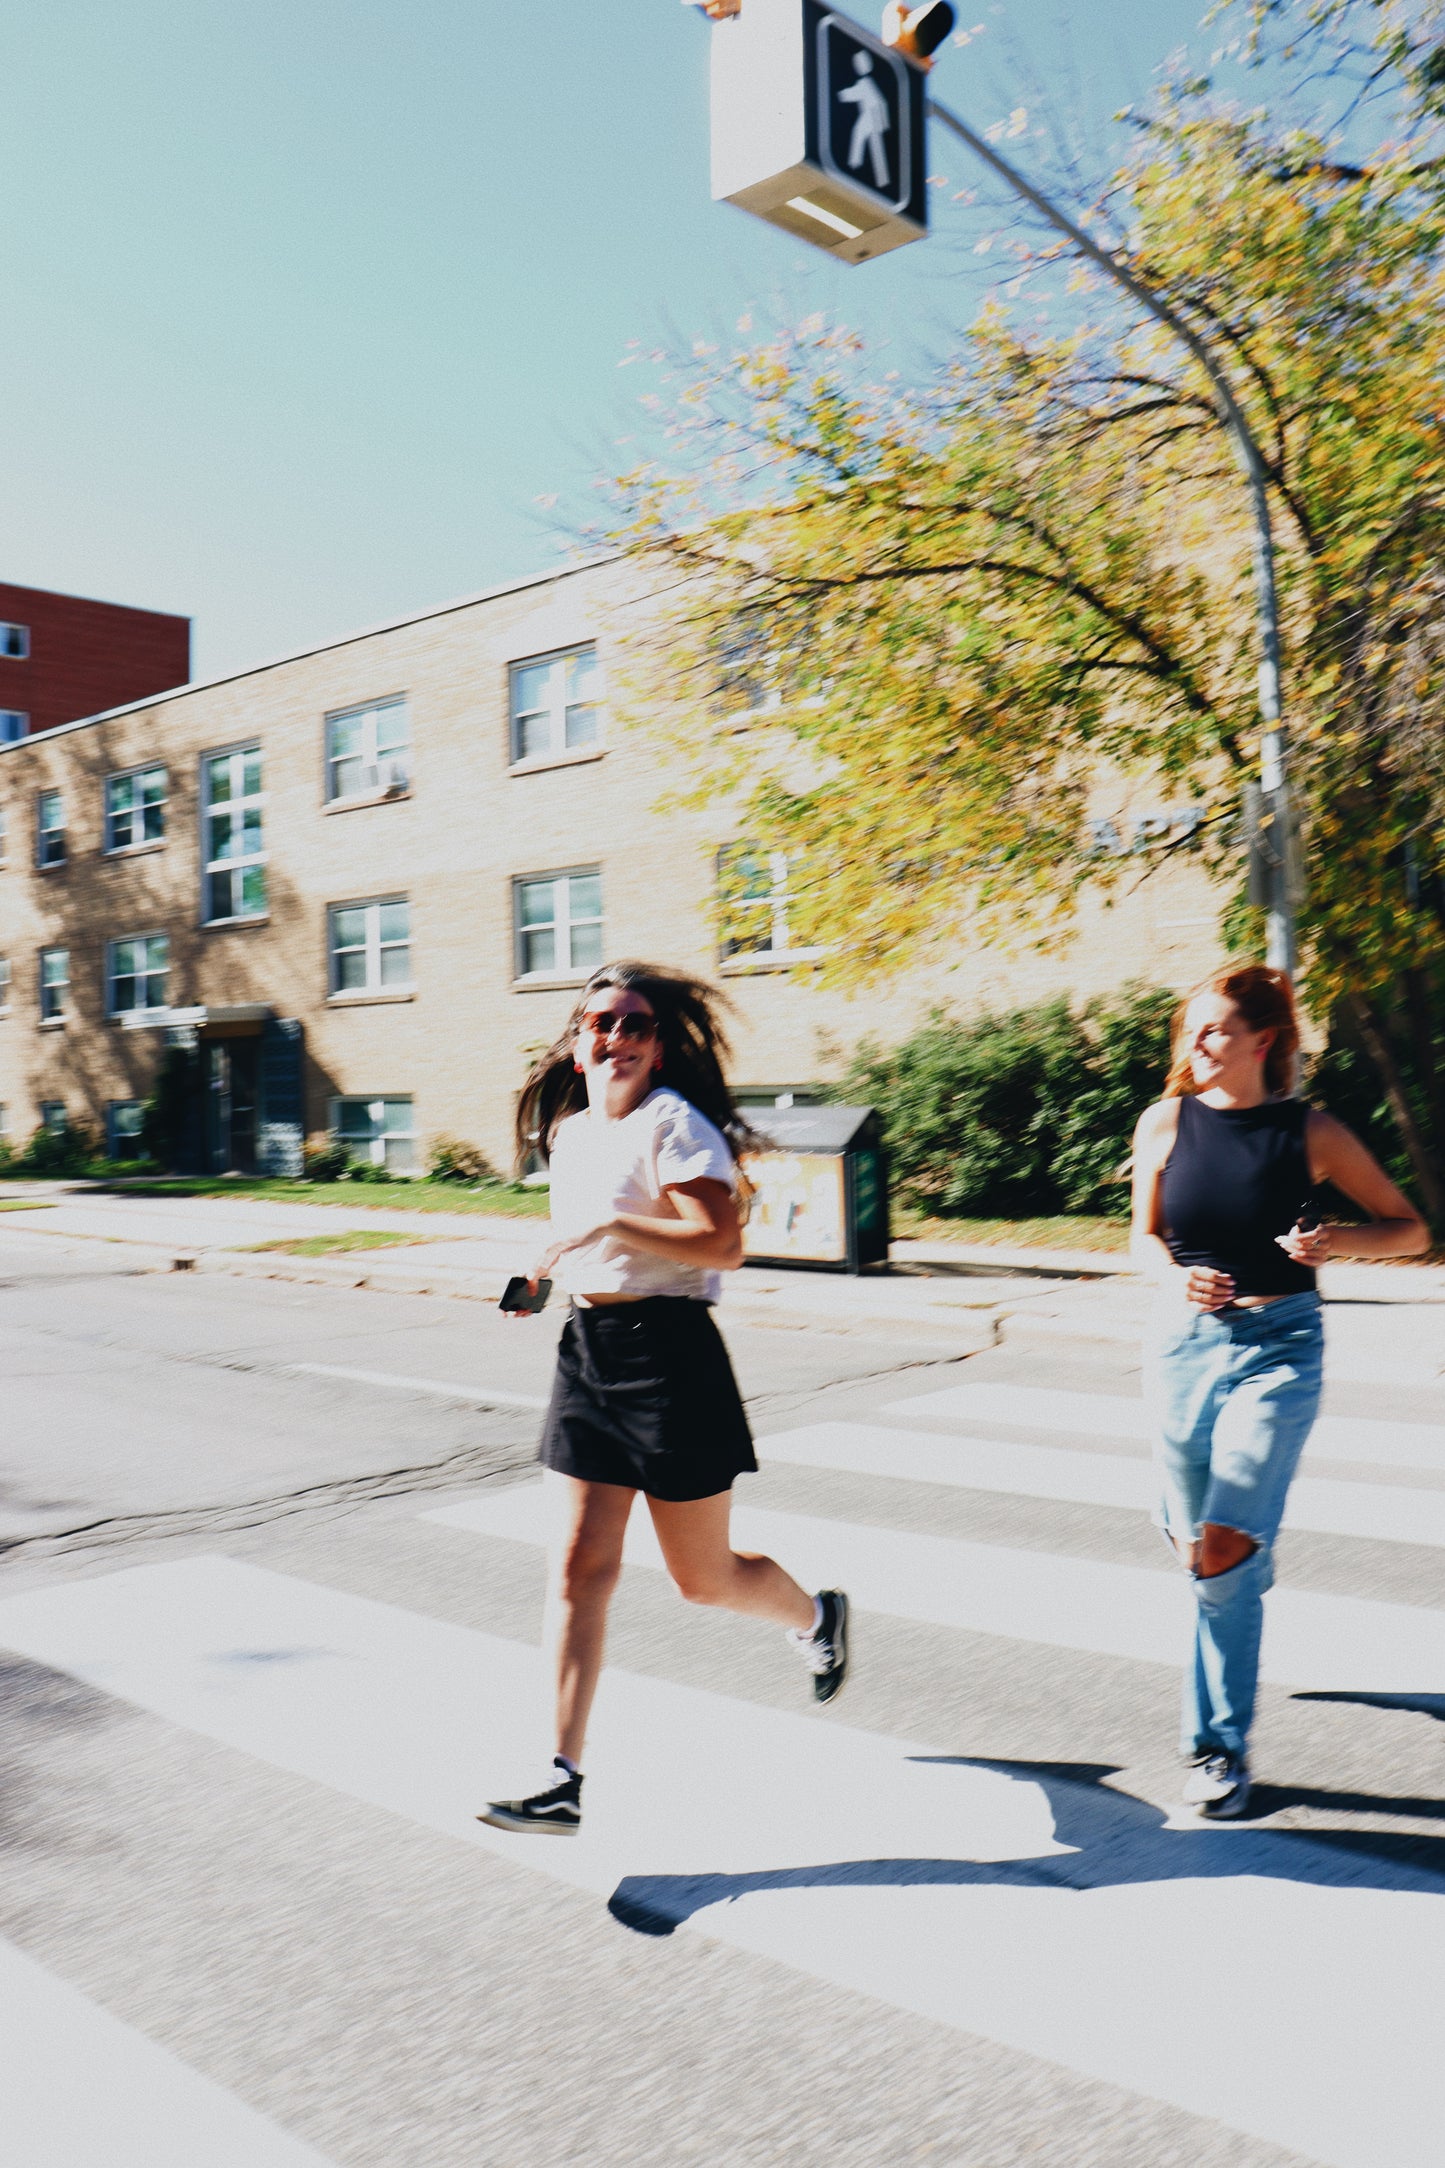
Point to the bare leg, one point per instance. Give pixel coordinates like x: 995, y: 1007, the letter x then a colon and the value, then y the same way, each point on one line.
x: 706, y: 1569
x: 1221, y: 1550
x: 583, y: 1570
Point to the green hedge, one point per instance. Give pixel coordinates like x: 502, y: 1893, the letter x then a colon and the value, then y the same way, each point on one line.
x: 1025, y: 1113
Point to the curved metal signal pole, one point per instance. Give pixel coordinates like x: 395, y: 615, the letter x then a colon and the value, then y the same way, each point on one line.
x: 1278, y: 838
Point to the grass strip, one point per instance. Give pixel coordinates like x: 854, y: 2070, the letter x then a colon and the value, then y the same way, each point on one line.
x: 506, y: 1200
x: 1068, y: 1231
x: 350, y: 1238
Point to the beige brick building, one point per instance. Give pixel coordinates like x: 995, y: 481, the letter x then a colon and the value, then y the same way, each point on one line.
x: 359, y: 885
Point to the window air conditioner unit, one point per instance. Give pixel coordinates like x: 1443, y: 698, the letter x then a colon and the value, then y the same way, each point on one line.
x: 393, y: 776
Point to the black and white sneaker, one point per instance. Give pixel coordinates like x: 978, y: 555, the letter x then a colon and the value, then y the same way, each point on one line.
x: 1217, y: 1786
x: 825, y: 1650
x: 555, y: 1811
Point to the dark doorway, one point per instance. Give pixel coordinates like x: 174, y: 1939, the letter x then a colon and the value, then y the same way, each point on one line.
x: 232, y: 1077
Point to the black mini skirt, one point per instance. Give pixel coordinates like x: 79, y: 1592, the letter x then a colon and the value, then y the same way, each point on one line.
x: 645, y: 1397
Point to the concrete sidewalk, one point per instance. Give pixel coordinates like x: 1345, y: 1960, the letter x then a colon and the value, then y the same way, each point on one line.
x: 1387, y: 1321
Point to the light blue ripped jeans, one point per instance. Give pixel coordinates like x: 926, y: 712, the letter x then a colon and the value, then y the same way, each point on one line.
x: 1234, y: 1398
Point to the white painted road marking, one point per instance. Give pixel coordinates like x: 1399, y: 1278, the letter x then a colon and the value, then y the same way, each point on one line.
x: 482, y: 1396
x: 1322, y: 1643
x: 1062, y: 1918
x: 1115, y: 1415
x: 79, y: 2089
x: 1385, y: 1512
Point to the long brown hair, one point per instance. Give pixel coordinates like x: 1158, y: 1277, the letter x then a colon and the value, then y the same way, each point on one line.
x: 1264, y: 997
x: 694, y: 1050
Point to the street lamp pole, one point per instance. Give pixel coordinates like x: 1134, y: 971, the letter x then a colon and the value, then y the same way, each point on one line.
x: 1276, y: 845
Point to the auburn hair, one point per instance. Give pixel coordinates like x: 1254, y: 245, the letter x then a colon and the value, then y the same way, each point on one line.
x: 1264, y: 997
x: 694, y: 1051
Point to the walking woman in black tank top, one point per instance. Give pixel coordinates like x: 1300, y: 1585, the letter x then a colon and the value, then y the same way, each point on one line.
x: 1225, y: 1169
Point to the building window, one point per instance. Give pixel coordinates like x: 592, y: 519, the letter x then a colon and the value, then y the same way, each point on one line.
x: 556, y: 704
x: 54, y: 982
x: 15, y: 641
x: 559, y: 924
x: 124, y: 1120
x: 4, y: 1126
x: 370, y: 946
x: 135, y: 808
x: 50, y: 839
x: 13, y: 725
x: 235, y: 857
x: 4, y: 984
x: 381, y: 1131
x: 52, y: 1117
x: 139, y: 968
x: 368, y: 750
x: 754, y: 897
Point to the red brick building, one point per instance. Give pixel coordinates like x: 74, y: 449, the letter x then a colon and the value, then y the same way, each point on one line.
x: 63, y: 657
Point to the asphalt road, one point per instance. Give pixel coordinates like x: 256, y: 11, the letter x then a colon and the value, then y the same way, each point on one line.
x: 269, y: 1614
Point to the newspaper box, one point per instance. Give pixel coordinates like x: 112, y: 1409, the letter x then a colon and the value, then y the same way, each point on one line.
x: 820, y: 1189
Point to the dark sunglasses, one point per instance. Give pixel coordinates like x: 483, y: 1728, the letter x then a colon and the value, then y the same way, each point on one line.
x: 629, y: 1025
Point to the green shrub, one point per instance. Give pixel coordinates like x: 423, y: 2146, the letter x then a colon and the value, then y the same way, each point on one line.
x: 1029, y: 1112
x: 324, y: 1160
x: 453, y: 1159
x: 67, y: 1151
x: 362, y: 1170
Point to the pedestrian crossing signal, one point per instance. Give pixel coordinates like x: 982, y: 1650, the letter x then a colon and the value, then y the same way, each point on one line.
x: 818, y: 127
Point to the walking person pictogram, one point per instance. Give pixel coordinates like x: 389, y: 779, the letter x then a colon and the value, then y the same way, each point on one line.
x: 872, y: 124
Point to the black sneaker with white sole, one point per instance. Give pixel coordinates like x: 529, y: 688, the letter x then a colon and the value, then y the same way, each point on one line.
x: 1217, y: 1786
x: 825, y: 1650
x: 555, y: 1811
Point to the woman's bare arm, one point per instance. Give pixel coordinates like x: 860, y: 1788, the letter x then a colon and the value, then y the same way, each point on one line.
x: 706, y: 1232
x: 1394, y: 1229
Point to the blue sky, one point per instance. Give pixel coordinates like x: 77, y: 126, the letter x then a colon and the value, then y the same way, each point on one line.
x: 309, y: 302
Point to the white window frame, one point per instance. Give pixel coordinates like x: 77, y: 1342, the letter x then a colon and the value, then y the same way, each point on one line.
x: 238, y: 803
x: 20, y: 718
x: 137, y: 776
x: 372, y: 948
x: 6, y: 981
x: 44, y: 837
x: 14, y: 642
x: 380, y: 1136
x: 4, y: 1121
x: 49, y: 986
x: 151, y: 971
x: 772, y: 908
x: 558, y: 708
x: 562, y: 924
x: 384, y: 774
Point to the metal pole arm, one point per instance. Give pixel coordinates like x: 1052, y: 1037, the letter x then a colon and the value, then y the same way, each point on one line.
x: 1281, y: 942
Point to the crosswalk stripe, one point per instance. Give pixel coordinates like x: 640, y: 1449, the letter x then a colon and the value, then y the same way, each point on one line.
x: 1063, y: 1918
x: 77, y: 2086
x: 1320, y: 1643
x: 1388, y: 1513
x: 1115, y: 1415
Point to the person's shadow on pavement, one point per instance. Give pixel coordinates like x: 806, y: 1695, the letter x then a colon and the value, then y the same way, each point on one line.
x: 1118, y: 1839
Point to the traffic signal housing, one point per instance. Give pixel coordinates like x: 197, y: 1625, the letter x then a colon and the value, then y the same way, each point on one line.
x: 917, y: 32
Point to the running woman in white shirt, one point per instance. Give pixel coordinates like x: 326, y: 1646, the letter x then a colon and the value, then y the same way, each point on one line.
x: 632, y: 1109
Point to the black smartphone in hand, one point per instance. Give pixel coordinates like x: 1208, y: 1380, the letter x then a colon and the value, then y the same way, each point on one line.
x: 1308, y: 1217
x: 517, y: 1295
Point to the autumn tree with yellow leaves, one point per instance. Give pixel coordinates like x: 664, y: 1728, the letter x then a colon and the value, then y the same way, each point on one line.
x: 949, y: 606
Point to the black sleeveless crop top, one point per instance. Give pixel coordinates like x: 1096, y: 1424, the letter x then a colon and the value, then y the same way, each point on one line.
x: 1235, y: 1178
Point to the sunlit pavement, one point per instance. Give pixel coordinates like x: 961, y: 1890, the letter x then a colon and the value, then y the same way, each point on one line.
x: 271, y: 1604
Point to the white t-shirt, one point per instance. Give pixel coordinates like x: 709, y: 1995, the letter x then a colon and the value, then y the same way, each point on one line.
x: 601, y: 1168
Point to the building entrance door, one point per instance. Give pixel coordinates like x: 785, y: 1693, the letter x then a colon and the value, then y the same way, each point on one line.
x: 232, y: 1078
